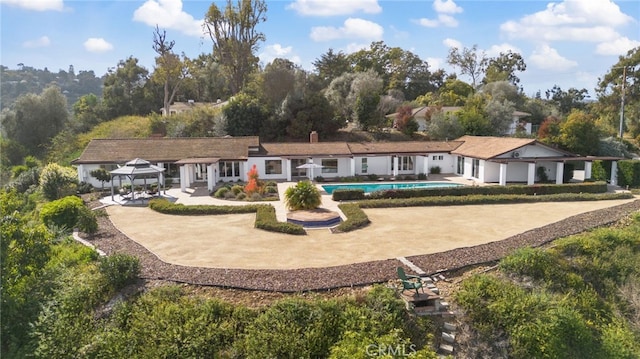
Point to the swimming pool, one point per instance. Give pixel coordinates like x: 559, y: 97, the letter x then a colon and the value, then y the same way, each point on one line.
x: 372, y: 187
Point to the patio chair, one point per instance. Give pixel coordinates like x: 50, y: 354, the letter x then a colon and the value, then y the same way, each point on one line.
x: 410, y: 282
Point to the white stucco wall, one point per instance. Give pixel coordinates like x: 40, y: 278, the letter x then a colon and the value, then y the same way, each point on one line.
x: 260, y: 163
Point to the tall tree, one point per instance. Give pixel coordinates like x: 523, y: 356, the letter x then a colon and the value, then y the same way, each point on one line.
x: 331, y: 65
x: 567, y: 101
x: 236, y: 38
x: 170, y: 70
x: 35, y: 119
x: 611, y: 95
x: 503, y: 68
x: 580, y: 134
x: 471, y: 62
x: 244, y: 116
x: 86, y: 113
x: 123, y: 92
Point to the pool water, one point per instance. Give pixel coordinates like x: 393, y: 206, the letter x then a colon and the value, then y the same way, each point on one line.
x: 372, y: 187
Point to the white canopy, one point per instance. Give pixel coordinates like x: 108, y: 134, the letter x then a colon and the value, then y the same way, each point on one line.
x: 136, y: 168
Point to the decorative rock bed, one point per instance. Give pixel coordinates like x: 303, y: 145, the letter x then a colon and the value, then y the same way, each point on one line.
x: 110, y: 240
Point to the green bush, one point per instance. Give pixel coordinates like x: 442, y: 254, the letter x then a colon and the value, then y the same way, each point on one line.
x: 57, y: 181
x: 356, y: 218
x: 601, y: 170
x: 487, y: 199
x: 304, y: 195
x: 347, y: 194
x: 422, y: 176
x: 163, y: 206
x: 236, y: 189
x: 119, y: 270
x: 435, y: 170
x: 221, y: 192
x: 241, y: 196
x: 271, y: 189
x: 629, y: 173
x: 62, y: 213
x: 266, y: 219
x: 536, y: 189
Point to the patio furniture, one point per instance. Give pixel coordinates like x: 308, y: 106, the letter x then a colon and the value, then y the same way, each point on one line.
x: 410, y: 282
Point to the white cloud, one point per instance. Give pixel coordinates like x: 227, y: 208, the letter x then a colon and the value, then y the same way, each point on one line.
x: 619, y: 46
x: 37, y: 5
x: 495, y: 50
x: 547, y: 58
x: 593, y: 20
x: 355, y: 47
x: 446, y: 6
x: 435, y: 63
x: 334, y: 7
x: 353, y: 29
x: 42, y: 41
x: 451, y: 43
x: 97, y: 45
x: 272, y: 52
x: 168, y: 14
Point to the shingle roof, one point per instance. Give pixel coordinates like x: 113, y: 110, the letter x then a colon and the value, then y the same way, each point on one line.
x: 294, y: 149
x: 166, y: 149
x: 486, y: 147
x: 372, y: 148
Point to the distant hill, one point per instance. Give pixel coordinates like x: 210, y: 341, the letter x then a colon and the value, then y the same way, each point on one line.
x: 25, y: 79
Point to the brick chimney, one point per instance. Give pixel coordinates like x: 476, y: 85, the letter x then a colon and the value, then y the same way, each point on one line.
x: 313, y: 137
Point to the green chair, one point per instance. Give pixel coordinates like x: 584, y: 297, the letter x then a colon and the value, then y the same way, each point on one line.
x: 409, y: 282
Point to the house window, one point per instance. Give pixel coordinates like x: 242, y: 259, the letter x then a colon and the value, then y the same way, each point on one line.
x: 405, y: 163
x: 330, y: 166
x: 109, y: 167
x: 273, y: 167
x: 460, y: 165
x: 437, y: 157
x: 229, y: 168
x: 364, y: 165
x: 475, y: 168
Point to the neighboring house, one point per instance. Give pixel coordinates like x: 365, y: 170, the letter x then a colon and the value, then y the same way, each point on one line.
x: 499, y: 160
x: 423, y: 114
x: 180, y: 107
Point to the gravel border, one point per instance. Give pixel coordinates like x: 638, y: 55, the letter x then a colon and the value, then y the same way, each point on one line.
x: 110, y: 240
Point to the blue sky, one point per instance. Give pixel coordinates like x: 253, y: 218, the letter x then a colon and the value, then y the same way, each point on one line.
x: 568, y: 43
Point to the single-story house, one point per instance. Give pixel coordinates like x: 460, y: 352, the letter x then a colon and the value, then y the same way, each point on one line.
x: 499, y: 160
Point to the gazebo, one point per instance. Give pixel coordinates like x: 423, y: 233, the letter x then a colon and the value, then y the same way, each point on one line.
x: 135, y: 169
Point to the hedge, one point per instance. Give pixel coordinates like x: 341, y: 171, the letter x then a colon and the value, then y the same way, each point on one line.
x: 266, y: 219
x: 347, y: 194
x: 356, y: 218
x: 629, y: 173
x: 536, y: 189
x: 489, y: 199
x: 265, y: 214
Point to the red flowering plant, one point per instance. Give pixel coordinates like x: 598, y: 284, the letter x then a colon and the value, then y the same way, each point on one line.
x: 253, y: 185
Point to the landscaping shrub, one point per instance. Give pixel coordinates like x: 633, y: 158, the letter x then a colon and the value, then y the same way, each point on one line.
x: 304, y: 195
x: 63, y: 213
x: 629, y: 173
x: 601, y: 170
x: 271, y: 189
x: 487, y: 199
x: 266, y: 219
x: 57, y: 181
x: 435, y: 170
x: 221, y: 192
x: 422, y: 176
x: 241, y: 196
x: 356, y: 218
x: 237, y: 189
x: 163, y: 206
x: 119, y: 270
x: 347, y: 194
x: 536, y: 189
